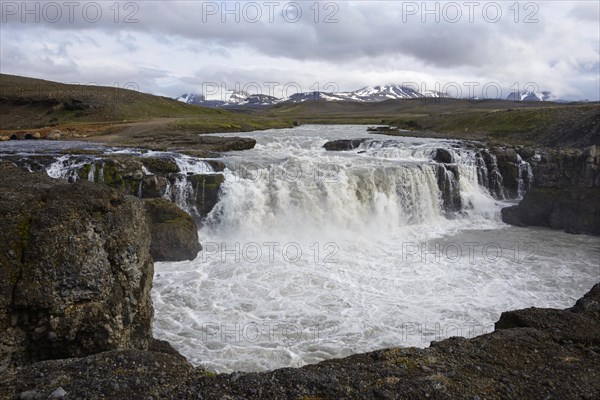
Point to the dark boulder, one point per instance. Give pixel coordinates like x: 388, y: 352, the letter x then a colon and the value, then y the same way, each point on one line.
x: 160, y: 165
x: 222, y: 144
x: 442, y: 156
x: 174, y: 232
x: 344, y: 144
x: 216, y: 165
x: 512, y: 216
x: 153, y: 186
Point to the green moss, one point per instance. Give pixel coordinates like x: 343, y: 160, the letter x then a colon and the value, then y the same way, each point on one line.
x: 112, y: 175
x: 177, y: 220
x: 160, y: 165
x: 212, y: 182
x: 84, y: 171
x: 209, y: 374
x: 22, y: 236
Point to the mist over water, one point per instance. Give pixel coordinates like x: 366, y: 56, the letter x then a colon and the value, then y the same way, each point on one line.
x: 312, y: 254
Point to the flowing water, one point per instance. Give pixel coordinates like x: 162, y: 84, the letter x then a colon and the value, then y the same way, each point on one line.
x: 311, y: 255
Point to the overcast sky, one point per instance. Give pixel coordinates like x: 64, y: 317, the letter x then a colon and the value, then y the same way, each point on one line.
x: 276, y: 47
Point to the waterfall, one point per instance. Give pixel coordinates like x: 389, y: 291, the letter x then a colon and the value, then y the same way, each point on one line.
x: 180, y: 188
x: 372, y: 197
x: 192, y: 166
x: 448, y: 178
x: 525, y: 179
x: 92, y: 173
x: 67, y: 167
x: 351, y: 245
x: 177, y: 187
x: 181, y: 192
x: 294, y: 182
x: 101, y: 174
x: 496, y: 180
x: 483, y: 175
x: 489, y: 175
x: 355, y: 200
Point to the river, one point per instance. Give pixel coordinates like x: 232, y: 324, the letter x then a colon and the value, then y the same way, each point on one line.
x: 311, y: 255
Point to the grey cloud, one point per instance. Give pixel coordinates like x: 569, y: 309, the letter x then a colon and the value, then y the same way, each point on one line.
x: 588, y: 11
x: 364, y: 29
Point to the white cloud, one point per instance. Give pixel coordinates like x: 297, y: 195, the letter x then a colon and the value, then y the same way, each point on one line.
x: 177, y: 46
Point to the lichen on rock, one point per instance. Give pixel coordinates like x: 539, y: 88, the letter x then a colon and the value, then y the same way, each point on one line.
x: 75, y: 273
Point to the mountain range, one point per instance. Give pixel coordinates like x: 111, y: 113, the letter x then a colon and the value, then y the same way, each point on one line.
x: 529, y: 96
x: 369, y: 94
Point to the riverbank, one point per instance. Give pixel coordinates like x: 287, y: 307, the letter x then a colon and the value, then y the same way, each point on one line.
x: 497, y: 122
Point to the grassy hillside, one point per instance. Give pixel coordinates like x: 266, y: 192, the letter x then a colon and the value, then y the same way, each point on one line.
x: 27, y: 103
x: 550, y: 124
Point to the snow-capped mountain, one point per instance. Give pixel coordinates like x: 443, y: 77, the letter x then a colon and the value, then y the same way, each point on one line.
x: 228, y: 97
x: 191, y: 98
x: 312, y: 96
x: 235, y: 97
x: 529, y: 96
x: 387, y: 92
x: 369, y: 94
x: 259, y: 100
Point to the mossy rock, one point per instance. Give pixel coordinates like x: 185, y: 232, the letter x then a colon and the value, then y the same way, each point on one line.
x: 160, y: 165
x: 174, y: 232
x: 212, y: 181
x: 113, y: 175
x: 84, y: 171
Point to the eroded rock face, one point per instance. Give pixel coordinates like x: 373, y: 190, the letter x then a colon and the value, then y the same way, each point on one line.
x: 174, y: 232
x: 565, y: 194
x: 509, y: 170
x: 75, y: 269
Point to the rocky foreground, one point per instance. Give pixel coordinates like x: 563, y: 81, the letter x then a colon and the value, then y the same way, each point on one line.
x: 75, y: 322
